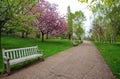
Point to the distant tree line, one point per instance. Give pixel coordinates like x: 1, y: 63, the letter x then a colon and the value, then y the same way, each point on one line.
x: 106, y: 20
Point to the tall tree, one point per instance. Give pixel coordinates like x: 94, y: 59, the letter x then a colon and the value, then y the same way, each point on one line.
x: 10, y: 9
x: 49, y: 21
x: 78, y: 19
x: 69, y: 22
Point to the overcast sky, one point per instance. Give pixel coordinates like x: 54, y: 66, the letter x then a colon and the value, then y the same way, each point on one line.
x: 75, y: 6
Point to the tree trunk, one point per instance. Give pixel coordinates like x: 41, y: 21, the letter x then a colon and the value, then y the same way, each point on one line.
x: 69, y: 36
x: 2, y: 23
x: 42, y: 36
x: 0, y: 40
x: 23, y: 36
x: 105, y: 38
x: 111, y: 38
x: 98, y: 37
x: 26, y: 34
x: 7, y: 33
x: 38, y: 34
x: 47, y: 36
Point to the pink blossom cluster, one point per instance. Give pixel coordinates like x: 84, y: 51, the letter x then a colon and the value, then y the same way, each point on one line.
x: 50, y: 21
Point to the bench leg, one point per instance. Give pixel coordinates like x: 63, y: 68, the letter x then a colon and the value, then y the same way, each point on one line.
x: 40, y: 58
x: 7, y: 66
x: 43, y: 58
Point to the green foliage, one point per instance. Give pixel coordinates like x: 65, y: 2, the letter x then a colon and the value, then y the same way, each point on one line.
x: 10, y: 8
x: 111, y: 54
x: 15, y: 12
x: 79, y: 31
x: 78, y: 19
x: 69, y: 20
x: 21, y: 23
x: 51, y: 46
x: 106, y: 23
x: 76, y: 42
x: 75, y: 21
x: 83, y: 1
x: 15, y: 15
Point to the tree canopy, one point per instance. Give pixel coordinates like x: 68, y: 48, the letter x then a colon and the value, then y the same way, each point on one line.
x: 50, y: 21
x: 14, y: 12
x: 75, y: 22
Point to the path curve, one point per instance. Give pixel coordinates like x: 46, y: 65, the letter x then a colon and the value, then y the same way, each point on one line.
x: 80, y: 62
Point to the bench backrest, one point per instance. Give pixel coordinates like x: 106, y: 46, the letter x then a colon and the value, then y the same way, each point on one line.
x: 20, y: 52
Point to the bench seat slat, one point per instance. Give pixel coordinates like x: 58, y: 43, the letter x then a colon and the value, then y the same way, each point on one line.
x: 29, y: 51
x: 17, y: 56
x: 11, y: 55
x: 24, y: 53
x: 7, y: 54
x: 14, y: 54
x: 19, y: 53
x: 15, y: 61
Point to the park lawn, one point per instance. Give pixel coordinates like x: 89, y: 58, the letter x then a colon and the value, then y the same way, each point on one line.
x: 50, y: 46
x: 111, y: 54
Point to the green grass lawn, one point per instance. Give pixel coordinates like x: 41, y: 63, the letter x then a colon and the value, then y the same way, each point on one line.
x: 50, y: 46
x: 111, y: 54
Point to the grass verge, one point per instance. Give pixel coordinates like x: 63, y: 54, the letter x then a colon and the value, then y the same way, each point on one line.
x: 111, y: 54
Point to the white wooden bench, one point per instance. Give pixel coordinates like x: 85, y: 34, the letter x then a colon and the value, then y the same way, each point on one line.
x: 14, y: 56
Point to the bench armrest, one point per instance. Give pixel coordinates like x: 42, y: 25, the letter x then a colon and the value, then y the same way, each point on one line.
x: 6, y: 58
x: 41, y: 51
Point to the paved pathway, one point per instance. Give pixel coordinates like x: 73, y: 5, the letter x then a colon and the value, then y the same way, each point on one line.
x: 80, y: 62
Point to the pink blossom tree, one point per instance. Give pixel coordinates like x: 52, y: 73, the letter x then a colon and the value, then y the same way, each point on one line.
x: 49, y: 20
